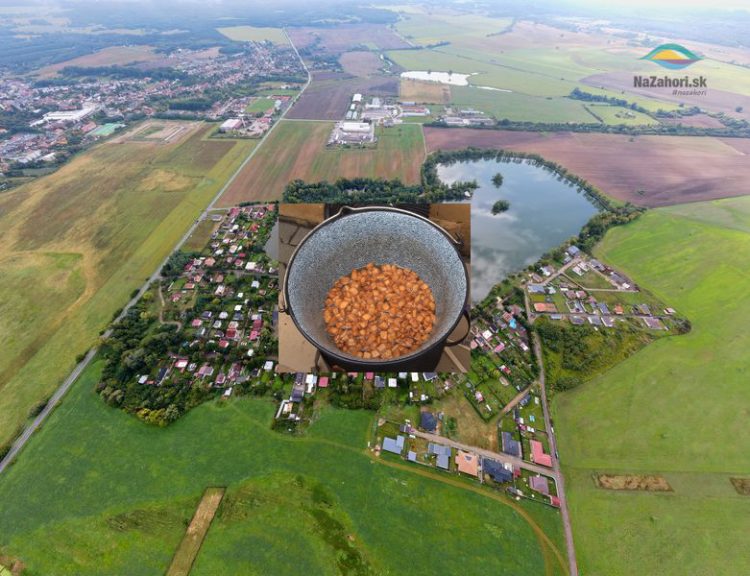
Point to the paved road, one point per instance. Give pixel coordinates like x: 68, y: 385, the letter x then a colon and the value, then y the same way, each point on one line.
x: 55, y: 399
x: 504, y: 458
x: 560, y: 270
x: 568, y: 530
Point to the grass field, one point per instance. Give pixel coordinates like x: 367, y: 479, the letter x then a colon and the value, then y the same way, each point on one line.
x: 619, y: 115
x: 298, y: 150
x: 521, y: 107
x: 259, y: 105
x: 677, y: 408
x: 98, y: 492
x: 78, y: 242
x: 254, y: 34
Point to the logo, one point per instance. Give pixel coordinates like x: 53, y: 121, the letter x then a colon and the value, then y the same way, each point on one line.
x: 672, y: 56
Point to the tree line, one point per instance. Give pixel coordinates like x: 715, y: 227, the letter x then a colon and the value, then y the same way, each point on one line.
x: 375, y: 190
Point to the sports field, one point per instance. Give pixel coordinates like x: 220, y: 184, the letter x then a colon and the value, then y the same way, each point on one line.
x: 259, y: 105
x: 99, y: 492
x: 678, y: 408
x: 254, y: 34
x: 76, y: 243
x: 297, y: 149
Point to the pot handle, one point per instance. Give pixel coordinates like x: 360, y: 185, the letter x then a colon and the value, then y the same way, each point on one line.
x: 457, y: 239
x: 450, y: 342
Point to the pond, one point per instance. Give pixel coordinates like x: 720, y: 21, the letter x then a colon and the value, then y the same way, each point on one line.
x: 543, y: 212
x: 454, y: 78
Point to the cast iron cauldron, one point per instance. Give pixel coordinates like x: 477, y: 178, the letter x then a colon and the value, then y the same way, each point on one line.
x: 355, y: 237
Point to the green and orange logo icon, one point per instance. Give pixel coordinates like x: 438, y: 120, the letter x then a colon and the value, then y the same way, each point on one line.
x: 672, y: 56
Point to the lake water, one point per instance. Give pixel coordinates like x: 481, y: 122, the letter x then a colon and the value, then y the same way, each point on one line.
x: 454, y: 79
x: 544, y: 212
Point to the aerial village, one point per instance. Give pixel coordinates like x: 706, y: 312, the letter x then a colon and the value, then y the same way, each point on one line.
x: 586, y: 291
x: 224, y: 304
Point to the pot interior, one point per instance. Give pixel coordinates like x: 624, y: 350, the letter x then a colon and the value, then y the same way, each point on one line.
x: 342, y: 244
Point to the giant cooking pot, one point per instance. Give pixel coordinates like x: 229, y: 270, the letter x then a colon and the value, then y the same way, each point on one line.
x: 355, y: 237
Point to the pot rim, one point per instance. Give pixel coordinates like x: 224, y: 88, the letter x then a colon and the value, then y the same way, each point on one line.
x: 346, y: 211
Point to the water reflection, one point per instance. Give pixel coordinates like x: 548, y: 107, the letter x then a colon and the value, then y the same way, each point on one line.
x: 544, y: 211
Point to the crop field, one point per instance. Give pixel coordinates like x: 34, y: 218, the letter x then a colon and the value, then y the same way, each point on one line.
x: 346, y: 37
x: 424, y: 92
x: 254, y: 34
x: 521, y: 107
x: 158, y: 131
x: 425, y: 29
x: 360, y: 63
x: 678, y: 169
x: 112, y: 56
x: 329, y: 94
x: 322, y: 503
x: 298, y: 150
x: 531, y: 60
x: 76, y: 243
x: 676, y: 409
x: 715, y: 100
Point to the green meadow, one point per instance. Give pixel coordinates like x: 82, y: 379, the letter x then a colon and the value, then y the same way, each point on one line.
x: 99, y: 492
x: 254, y: 34
x: 676, y: 408
x: 521, y: 107
x: 76, y: 243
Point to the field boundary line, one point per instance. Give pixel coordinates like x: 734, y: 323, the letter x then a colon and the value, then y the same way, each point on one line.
x: 192, y: 542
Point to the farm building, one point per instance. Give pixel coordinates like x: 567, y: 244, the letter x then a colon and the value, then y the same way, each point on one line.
x: 356, y: 127
x: 349, y: 132
x: 231, y: 124
x: 415, y: 111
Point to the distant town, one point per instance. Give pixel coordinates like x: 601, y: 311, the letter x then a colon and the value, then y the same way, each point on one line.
x: 44, y: 119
